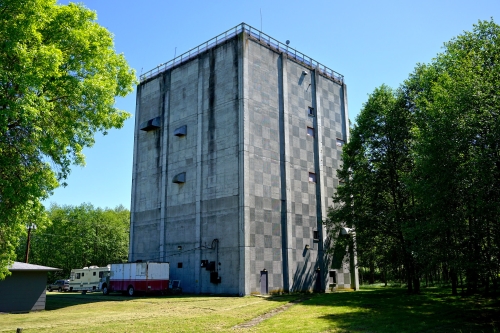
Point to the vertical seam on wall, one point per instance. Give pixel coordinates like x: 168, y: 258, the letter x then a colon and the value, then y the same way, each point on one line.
x: 164, y: 171
x: 134, y: 174
x: 199, y: 182
x: 345, y: 114
x: 241, y: 166
x: 318, y: 145
x: 285, y: 172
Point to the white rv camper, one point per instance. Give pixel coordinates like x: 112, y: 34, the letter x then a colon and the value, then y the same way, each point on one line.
x: 86, y: 278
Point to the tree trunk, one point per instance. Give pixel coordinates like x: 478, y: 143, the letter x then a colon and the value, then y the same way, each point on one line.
x: 454, y: 282
x: 416, y: 284
x: 372, y: 272
x: 409, y: 275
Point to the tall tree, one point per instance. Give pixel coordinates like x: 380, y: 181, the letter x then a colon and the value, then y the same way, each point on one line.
x: 457, y: 152
x: 374, y: 198
x: 422, y: 168
x: 79, y: 236
x: 59, y: 76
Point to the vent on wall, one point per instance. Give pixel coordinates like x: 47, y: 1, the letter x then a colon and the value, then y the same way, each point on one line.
x: 179, y: 178
x: 151, y: 124
x: 181, y: 131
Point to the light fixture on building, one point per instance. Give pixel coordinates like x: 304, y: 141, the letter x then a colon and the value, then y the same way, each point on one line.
x: 179, y: 248
x: 307, y: 246
x: 304, y: 73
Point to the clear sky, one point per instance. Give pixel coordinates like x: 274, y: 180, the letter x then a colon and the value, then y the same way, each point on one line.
x: 369, y: 42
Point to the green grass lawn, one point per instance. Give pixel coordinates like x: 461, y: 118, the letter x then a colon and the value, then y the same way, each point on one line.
x: 368, y: 310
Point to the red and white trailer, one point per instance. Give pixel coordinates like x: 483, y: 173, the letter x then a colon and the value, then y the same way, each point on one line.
x: 136, y: 277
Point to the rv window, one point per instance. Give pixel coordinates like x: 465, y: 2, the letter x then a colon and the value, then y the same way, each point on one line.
x: 83, y: 274
x: 77, y: 275
x: 100, y: 274
x: 93, y: 274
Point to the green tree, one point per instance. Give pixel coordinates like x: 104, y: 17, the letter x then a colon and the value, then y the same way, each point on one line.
x: 457, y: 153
x: 374, y: 198
x: 79, y: 236
x: 59, y: 76
x: 422, y: 169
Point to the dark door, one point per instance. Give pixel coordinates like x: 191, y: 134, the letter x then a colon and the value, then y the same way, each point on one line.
x: 317, y: 285
x: 263, y: 282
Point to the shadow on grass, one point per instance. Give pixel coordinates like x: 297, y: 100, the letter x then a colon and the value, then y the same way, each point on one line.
x: 393, y: 310
x: 57, y: 300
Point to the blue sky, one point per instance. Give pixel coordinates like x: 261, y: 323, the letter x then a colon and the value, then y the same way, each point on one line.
x: 369, y: 42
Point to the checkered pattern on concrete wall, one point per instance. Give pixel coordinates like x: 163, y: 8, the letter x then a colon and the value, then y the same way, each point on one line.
x: 263, y: 176
x: 334, y: 137
x: 333, y: 133
x: 247, y: 159
x: 302, y: 160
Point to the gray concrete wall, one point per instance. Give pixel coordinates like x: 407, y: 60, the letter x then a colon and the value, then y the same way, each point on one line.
x: 147, y: 175
x: 303, y: 194
x: 283, y: 208
x: 247, y: 202
x: 178, y: 222
x: 263, y: 172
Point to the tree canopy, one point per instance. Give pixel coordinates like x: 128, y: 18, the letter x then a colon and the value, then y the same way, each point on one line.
x: 79, y: 236
x: 422, y: 169
x: 59, y: 76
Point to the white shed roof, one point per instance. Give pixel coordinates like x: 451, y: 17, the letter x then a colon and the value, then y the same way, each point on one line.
x: 21, y: 266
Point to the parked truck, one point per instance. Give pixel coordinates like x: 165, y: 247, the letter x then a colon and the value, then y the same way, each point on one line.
x: 131, y: 278
x: 87, y: 278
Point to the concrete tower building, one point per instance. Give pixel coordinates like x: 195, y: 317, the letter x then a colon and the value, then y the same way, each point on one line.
x: 236, y: 148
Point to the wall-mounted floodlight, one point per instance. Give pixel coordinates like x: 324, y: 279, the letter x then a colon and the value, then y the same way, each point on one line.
x: 307, y: 247
x: 179, y: 248
x: 304, y: 73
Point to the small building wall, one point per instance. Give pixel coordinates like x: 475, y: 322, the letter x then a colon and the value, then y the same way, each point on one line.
x: 23, y: 291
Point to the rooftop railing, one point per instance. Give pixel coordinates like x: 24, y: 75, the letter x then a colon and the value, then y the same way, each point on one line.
x: 254, y: 34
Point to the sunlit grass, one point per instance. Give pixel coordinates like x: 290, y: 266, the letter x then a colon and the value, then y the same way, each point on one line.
x: 368, y: 310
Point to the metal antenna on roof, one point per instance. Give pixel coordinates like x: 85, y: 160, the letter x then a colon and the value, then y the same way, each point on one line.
x: 260, y: 19
x: 175, y: 52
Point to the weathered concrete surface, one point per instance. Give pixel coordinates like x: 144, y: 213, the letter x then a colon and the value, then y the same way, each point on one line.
x: 248, y: 202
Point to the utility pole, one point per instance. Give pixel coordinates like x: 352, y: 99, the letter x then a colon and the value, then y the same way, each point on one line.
x: 29, y: 227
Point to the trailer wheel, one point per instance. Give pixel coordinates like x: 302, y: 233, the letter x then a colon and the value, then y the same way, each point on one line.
x: 130, y: 291
x: 105, y: 290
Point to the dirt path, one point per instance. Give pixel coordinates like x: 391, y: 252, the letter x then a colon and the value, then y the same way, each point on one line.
x: 255, y: 321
